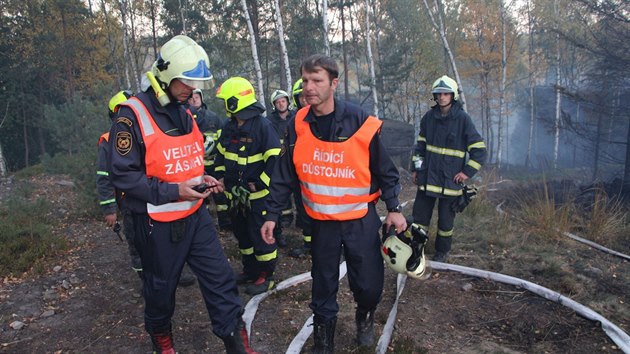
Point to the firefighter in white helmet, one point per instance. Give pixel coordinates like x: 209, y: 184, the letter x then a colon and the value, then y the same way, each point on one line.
x: 448, y: 152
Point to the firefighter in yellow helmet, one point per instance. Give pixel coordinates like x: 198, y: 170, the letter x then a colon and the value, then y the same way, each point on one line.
x: 248, y: 148
x: 299, y: 100
x: 448, y: 152
x: 109, y: 200
x: 157, y: 161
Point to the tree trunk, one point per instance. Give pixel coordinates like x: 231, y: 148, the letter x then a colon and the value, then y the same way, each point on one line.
x: 488, y: 112
x: 377, y: 40
x: 370, y: 57
x: 252, y: 41
x: 502, y: 88
x: 325, y: 26
x: 530, y: 83
x: 344, y: 50
x: 3, y: 164
x: 68, y: 64
x: 126, y: 54
x: 3, y: 161
x: 183, y: 17
x: 598, y: 136
x: 556, y: 126
x: 441, y: 29
x: 132, y: 52
x: 626, y: 169
x: 153, y: 29
x: 283, y: 46
x: 25, y: 137
x: 356, y: 57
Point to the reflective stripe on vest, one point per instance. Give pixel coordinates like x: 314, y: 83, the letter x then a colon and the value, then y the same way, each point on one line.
x: 335, y: 177
x: 172, y: 159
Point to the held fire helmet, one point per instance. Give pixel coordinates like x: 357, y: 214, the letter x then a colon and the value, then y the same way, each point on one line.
x: 404, y: 252
x: 117, y: 99
x: 182, y: 58
x: 237, y: 93
x: 445, y: 85
x: 297, y: 91
x: 208, y: 144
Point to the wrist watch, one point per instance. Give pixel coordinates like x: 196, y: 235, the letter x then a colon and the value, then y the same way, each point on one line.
x: 396, y: 209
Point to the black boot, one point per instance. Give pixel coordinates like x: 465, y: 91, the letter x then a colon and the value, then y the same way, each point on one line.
x: 365, y: 327
x: 324, y: 336
x: 238, y: 341
x: 442, y: 247
x: 163, y: 342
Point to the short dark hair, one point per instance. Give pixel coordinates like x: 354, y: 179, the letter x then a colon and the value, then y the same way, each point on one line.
x: 319, y: 60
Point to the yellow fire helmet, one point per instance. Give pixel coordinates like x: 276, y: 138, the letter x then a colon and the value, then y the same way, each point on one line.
x: 183, y: 59
x: 237, y: 93
x: 118, y: 98
x: 447, y: 85
x: 404, y: 252
x: 297, y: 91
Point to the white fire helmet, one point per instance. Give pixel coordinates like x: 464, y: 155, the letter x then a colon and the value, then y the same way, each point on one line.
x: 404, y: 252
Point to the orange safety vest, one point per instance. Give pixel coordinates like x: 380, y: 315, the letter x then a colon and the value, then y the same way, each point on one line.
x: 335, y: 177
x: 173, y: 159
x: 105, y: 137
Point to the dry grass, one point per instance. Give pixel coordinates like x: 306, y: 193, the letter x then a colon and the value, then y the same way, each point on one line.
x: 536, y: 208
x: 605, y: 219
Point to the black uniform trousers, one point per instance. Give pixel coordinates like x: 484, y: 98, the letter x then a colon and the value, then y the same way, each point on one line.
x: 361, y: 247
x: 129, y: 231
x: 423, y: 211
x: 256, y: 255
x: 164, y: 247
x: 302, y: 221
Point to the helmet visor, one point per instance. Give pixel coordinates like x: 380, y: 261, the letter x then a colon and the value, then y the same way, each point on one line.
x: 198, y: 84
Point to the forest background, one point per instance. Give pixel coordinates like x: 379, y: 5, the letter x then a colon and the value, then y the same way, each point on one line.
x: 547, y: 82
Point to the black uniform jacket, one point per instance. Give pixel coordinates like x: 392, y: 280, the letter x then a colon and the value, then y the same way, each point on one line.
x: 247, y: 154
x: 279, y: 124
x: 443, y: 143
x: 127, y: 168
x: 347, y: 120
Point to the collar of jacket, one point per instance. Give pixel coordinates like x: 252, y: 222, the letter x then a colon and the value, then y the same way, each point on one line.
x: 455, y: 108
x: 340, y: 109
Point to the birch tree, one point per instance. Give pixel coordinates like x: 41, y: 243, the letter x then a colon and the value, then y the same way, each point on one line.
x: 502, y: 86
x: 3, y: 162
x: 325, y: 25
x: 437, y: 21
x: 283, y: 46
x: 344, y: 50
x: 252, y: 41
x: 530, y: 84
x: 131, y: 76
x: 556, y: 125
x: 182, y: 11
x: 370, y: 57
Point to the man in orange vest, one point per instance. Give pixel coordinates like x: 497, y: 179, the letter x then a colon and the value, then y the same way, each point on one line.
x: 335, y: 157
x: 156, y: 159
x: 109, y: 199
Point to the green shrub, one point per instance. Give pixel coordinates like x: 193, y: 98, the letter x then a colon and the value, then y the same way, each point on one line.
x: 25, y: 239
x: 81, y: 168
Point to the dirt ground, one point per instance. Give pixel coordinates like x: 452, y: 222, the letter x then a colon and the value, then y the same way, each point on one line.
x: 89, y: 301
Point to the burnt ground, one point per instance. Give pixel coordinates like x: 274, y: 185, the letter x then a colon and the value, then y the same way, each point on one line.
x: 88, y: 300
